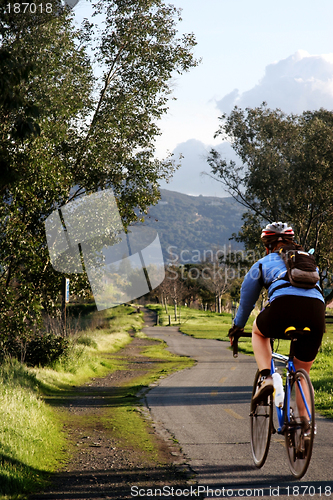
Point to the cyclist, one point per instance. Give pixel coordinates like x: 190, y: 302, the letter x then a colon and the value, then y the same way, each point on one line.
x: 288, y: 306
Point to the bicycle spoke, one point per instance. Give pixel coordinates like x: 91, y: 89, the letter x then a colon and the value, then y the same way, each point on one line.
x: 261, y: 428
x: 300, y: 429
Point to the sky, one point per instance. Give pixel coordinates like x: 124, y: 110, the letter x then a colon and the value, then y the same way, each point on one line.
x: 278, y: 52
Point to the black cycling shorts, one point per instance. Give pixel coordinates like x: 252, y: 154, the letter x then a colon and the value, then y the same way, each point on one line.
x: 300, y: 312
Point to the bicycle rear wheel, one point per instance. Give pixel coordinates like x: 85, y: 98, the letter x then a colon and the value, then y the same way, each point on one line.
x: 300, y: 430
x: 261, y: 422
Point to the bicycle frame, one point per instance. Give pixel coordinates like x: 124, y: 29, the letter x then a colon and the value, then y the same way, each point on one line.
x: 291, y: 423
x: 283, y: 414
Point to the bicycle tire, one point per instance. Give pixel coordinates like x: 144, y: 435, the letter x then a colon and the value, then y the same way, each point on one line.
x: 299, y: 449
x: 261, y: 425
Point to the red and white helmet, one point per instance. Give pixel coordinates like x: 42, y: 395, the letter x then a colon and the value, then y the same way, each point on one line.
x: 275, y: 232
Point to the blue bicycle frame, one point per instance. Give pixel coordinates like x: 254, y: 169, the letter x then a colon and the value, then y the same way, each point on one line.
x: 284, y: 418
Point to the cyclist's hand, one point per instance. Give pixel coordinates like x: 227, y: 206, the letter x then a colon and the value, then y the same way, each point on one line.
x: 235, y: 330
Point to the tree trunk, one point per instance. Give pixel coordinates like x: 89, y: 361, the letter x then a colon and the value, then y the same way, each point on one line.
x: 219, y: 305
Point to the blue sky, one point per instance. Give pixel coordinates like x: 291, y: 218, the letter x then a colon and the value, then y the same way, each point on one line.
x: 281, y: 52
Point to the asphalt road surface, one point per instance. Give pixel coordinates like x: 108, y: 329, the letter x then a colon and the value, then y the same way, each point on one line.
x: 206, y: 408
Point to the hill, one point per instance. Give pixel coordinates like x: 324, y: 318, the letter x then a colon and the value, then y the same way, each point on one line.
x: 192, y: 227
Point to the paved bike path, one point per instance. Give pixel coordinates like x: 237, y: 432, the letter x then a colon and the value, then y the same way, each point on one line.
x: 206, y: 409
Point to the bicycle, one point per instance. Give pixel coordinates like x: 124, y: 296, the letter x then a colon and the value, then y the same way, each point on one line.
x: 296, y: 417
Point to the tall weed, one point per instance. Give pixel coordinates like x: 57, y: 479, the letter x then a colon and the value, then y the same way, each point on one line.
x: 28, y: 431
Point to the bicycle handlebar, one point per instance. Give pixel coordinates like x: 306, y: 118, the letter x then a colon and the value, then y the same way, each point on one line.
x: 235, y: 347
x: 237, y: 336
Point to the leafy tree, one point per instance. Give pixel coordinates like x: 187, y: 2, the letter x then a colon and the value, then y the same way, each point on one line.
x: 285, y: 174
x: 66, y: 132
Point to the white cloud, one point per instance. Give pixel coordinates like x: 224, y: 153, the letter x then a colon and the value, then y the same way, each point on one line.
x: 189, y: 179
x: 298, y: 83
x: 295, y: 84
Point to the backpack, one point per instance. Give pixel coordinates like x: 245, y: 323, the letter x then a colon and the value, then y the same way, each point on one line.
x: 301, y: 268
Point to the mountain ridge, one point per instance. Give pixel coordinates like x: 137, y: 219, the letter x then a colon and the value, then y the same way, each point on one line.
x: 192, y: 227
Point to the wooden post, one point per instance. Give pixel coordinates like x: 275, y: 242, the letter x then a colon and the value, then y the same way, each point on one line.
x: 64, y: 300
x: 63, y: 304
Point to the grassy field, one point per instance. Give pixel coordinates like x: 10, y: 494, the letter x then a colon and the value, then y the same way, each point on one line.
x: 210, y: 325
x: 198, y: 323
x: 32, y: 440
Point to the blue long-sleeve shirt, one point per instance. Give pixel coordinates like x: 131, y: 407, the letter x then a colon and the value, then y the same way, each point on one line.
x: 272, y: 268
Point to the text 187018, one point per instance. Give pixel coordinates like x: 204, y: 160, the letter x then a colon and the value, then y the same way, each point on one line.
x: 29, y: 8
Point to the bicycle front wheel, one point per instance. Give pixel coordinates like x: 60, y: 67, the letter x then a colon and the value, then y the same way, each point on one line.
x: 300, y: 430
x: 261, y: 422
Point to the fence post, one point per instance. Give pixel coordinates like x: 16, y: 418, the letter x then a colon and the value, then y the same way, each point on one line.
x: 63, y: 304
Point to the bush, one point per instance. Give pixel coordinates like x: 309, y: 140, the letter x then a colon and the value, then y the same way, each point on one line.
x: 80, y: 309
x: 38, y: 350
x: 87, y: 341
x: 45, y: 349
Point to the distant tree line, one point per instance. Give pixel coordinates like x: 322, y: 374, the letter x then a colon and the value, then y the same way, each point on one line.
x: 211, y: 284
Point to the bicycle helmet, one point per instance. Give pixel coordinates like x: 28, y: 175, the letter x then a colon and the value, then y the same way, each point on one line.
x: 277, y: 231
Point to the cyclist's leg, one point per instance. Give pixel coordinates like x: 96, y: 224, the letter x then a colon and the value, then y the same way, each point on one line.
x: 263, y: 354
x: 306, y: 365
x: 306, y: 349
x: 262, y: 348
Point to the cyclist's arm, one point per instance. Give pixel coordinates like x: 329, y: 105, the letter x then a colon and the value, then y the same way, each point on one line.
x: 250, y: 292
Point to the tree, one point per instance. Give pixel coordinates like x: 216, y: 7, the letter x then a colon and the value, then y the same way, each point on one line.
x: 285, y: 174
x: 65, y: 132
x: 213, y: 281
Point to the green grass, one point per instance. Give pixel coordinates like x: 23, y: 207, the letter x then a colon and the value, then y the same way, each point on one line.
x: 32, y: 441
x: 199, y: 323
x: 328, y: 335
x: 125, y: 420
x: 322, y: 375
x: 131, y: 431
